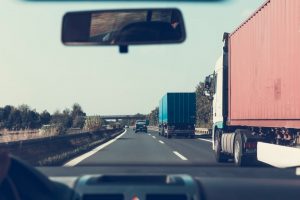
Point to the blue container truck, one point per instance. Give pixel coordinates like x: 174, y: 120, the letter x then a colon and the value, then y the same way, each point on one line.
x: 177, y: 115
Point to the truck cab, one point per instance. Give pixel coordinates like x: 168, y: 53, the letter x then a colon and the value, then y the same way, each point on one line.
x: 217, y: 110
x: 229, y: 142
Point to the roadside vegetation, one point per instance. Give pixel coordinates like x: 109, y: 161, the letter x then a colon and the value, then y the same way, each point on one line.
x: 24, y: 118
x: 23, y: 123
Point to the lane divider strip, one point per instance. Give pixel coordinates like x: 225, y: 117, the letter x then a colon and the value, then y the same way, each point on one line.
x: 161, y: 141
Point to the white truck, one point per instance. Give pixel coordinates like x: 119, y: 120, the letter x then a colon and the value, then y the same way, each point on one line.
x: 255, y: 89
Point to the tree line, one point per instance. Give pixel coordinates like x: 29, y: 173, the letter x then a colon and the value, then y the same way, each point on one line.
x: 203, y: 109
x: 23, y: 117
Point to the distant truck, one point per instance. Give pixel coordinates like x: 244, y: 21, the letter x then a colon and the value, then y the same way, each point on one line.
x: 177, y: 115
x: 255, y: 88
x: 141, y: 126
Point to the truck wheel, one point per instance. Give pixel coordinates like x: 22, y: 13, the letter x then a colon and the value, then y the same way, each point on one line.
x: 239, y: 160
x: 220, y: 157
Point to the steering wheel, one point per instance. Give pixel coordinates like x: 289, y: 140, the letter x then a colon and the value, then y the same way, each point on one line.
x: 7, y: 187
x: 20, y: 181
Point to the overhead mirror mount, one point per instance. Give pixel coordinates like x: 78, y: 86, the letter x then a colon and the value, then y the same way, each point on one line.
x: 123, y: 28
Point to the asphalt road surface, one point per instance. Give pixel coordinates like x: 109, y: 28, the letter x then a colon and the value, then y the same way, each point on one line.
x: 149, y: 148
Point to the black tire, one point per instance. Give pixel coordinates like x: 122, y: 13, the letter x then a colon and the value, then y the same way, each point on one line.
x: 239, y: 159
x: 164, y: 133
x: 192, y: 136
x: 220, y: 157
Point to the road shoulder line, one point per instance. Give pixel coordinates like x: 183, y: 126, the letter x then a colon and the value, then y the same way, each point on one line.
x: 80, y: 158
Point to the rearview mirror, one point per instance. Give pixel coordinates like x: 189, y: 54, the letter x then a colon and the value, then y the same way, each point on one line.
x: 123, y: 27
x: 208, y: 81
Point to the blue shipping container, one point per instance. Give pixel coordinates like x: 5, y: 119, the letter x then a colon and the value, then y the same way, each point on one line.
x: 177, y: 108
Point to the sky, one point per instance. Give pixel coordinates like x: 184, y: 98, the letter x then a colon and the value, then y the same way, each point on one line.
x: 38, y: 70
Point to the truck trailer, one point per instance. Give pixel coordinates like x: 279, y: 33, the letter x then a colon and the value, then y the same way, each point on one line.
x: 256, y: 88
x: 177, y: 115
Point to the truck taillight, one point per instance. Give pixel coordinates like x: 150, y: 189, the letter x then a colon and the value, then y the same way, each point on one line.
x: 250, y: 145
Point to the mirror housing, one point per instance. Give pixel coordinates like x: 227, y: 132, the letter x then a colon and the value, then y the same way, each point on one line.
x: 208, y: 82
x: 123, y: 27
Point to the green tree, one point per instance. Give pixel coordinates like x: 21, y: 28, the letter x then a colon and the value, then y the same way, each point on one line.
x: 14, y: 120
x: 45, y: 117
x: 153, y: 117
x: 78, y: 116
x: 30, y: 118
x: 63, y: 120
x: 203, y: 107
x: 5, y: 115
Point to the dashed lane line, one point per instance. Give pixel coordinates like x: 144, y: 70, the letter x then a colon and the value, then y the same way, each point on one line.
x: 179, y: 155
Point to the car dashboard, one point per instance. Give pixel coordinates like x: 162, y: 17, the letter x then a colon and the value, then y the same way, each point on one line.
x: 204, y: 183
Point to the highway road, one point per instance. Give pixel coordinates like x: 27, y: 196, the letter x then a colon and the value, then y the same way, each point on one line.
x: 149, y: 148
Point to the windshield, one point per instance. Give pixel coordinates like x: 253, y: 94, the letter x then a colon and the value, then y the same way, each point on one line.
x: 49, y: 90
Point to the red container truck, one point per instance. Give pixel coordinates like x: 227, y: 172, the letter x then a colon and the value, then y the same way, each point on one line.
x: 257, y: 87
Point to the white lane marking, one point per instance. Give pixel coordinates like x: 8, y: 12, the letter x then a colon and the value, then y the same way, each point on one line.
x: 161, y: 141
x: 149, y: 134
x: 154, y: 137
x: 78, y: 159
x: 179, y: 155
x: 206, y: 140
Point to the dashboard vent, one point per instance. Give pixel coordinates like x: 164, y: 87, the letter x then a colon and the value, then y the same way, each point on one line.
x: 134, y: 179
x: 166, y: 197
x: 103, y: 197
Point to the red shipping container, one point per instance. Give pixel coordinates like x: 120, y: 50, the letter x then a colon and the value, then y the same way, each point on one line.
x: 264, y: 67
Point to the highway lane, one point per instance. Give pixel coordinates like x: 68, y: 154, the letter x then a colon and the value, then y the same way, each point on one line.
x: 150, y: 148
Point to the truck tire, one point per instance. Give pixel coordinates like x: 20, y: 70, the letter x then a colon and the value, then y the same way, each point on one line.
x: 238, y: 157
x: 220, y: 157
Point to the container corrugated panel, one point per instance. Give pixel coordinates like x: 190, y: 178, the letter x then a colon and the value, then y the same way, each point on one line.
x: 178, y: 108
x: 264, y: 67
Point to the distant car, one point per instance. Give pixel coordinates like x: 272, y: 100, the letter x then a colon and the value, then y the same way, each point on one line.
x: 141, y: 126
